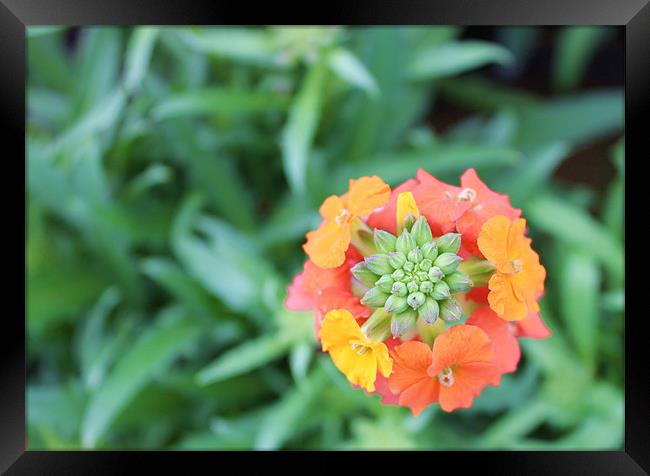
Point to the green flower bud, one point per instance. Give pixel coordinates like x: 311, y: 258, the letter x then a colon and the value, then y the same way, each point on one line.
x: 401, y: 323
x: 396, y: 259
x: 429, y: 251
x: 405, y: 242
x: 479, y: 270
x: 409, y: 221
x: 458, y: 281
x: 429, y: 311
x: 377, y: 326
x: 421, y: 231
x: 415, y: 299
x: 384, y: 241
x: 425, y: 264
x: 422, y: 276
x: 450, y: 310
x: 399, y: 289
x: 435, y: 274
x: 398, y: 275
x: 447, y: 262
x: 441, y: 291
x: 426, y: 287
x: 363, y: 274
x: 409, y: 266
x: 412, y: 286
x: 395, y: 304
x: 448, y: 243
x: 385, y: 283
x: 415, y: 255
x: 375, y: 297
x: 379, y: 264
x: 358, y: 288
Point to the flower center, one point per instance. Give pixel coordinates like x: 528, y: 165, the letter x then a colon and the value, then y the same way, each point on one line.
x: 361, y: 349
x: 446, y: 377
x: 517, y: 265
x: 342, y: 217
x: 467, y: 195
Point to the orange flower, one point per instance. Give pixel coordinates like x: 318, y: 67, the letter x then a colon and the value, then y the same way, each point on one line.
x: 327, y: 245
x: 519, y: 278
x: 453, y: 373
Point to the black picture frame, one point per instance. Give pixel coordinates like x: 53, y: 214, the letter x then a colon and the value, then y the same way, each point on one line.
x: 16, y: 15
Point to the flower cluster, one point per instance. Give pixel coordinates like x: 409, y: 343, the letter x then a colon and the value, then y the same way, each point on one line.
x: 391, y: 275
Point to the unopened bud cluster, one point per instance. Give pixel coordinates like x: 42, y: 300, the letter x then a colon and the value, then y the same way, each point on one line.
x: 413, y: 275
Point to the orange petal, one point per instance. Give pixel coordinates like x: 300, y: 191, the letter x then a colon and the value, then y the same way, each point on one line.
x: 533, y: 327
x: 493, y: 242
x: 503, y: 300
x: 504, y: 343
x: 420, y: 395
x: 327, y: 245
x: 469, y: 381
x: 384, y: 219
x: 367, y: 194
x: 460, y: 345
x: 439, y: 202
x: 410, y: 362
x: 331, y: 207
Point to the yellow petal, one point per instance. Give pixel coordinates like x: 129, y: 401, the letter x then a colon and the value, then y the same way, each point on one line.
x: 384, y: 362
x: 327, y: 245
x: 367, y: 194
x: 359, y: 369
x: 405, y: 205
x: 339, y: 328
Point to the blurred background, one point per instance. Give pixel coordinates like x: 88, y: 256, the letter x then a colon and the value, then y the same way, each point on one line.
x: 173, y: 173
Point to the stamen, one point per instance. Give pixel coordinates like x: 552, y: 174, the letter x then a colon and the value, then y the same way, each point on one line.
x: 362, y: 348
x: 517, y: 265
x: 467, y: 195
x: 342, y: 216
x: 446, y: 377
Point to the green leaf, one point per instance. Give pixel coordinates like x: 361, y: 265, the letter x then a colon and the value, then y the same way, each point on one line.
x: 138, y: 56
x: 300, y: 129
x: 456, y: 57
x: 568, y: 223
x: 580, y: 295
x: 576, y: 47
x: 246, y: 357
x: 350, y: 69
x: 153, y: 352
x: 218, y: 102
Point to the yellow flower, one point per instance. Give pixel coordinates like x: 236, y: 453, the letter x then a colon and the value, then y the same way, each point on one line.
x: 405, y: 206
x: 327, y: 245
x: 352, y: 352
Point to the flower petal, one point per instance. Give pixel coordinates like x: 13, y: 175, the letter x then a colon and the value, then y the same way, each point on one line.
x: 460, y: 345
x: 327, y: 245
x: 339, y: 328
x: 367, y: 194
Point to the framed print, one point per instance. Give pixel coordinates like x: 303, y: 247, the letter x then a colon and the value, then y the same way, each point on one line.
x: 363, y: 228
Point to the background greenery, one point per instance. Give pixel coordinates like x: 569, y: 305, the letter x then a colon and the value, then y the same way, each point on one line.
x: 173, y: 172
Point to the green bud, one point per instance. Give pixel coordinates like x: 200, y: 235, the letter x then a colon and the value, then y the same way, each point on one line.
x: 379, y: 264
x: 363, y: 274
x: 421, y: 231
x: 375, y: 297
x: 401, y: 323
x: 422, y: 276
x: 412, y: 286
x: 447, y: 262
x: 385, y: 283
x: 405, y: 242
x: 458, y: 281
x: 429, y: 251
x: 409, y: 266
x: 429, y: 311
x: 396, y: 259
x: 409, y: 221
x: 395, y: 304
x: 426, y: 287
x: 385, y: 241
x: 479, y: 270
x: 415, y: 299
x: 425, y: 264
x: 398, y: 275
x: 448, y: 243
x: 377, y: 326
x: 358, y: 288
x: 415, y: 255
x: 435, y: 274
x: 399, y: 289
x: 440, y: 291
x: 450, y: 310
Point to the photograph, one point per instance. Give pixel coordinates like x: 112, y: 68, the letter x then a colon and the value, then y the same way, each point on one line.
x: 325, y: 237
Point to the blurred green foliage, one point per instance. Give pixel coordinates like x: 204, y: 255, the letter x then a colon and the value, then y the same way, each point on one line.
x: 173, y: 173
